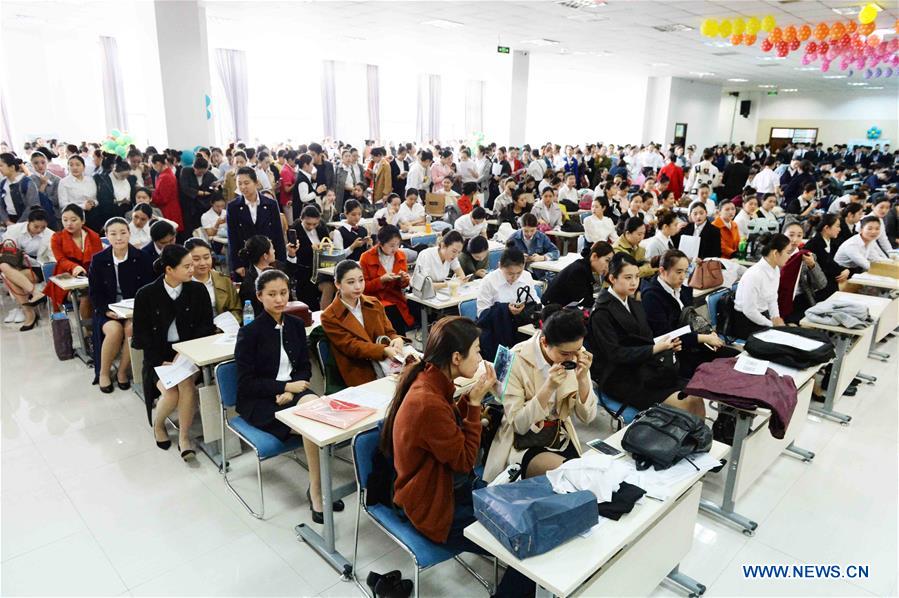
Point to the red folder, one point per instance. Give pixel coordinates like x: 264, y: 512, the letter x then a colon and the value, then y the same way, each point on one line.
x: 334, y: 412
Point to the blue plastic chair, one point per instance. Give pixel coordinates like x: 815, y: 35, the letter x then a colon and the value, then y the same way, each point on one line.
x: 469, y: 309
x: 621, y: 413
x: 584, y: 216
x: 263, y: 444
x: 323, y: 348
x: 424, y: 553
x: 711, y: 301
x: 493, y: 259
x: 425, y: 240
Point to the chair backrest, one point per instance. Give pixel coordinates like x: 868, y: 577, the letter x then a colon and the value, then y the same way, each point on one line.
x: 469, y: 309
x: 47, y: 269
x: 539, y: 285
x: 365, y: 445
x: 426, y: 240
x: 226, y: 378
x: 711, y: 300
x: 583, y: 216
x: 493, y: 258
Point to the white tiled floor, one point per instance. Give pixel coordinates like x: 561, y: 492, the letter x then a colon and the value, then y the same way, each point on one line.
x: 91, y: 507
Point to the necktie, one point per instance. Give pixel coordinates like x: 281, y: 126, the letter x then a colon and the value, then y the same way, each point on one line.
x: 353, y: 175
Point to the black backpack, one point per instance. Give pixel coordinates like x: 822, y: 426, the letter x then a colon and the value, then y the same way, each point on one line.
x: 724, y: 313
x: 789, y: 355
x: 662, y: 435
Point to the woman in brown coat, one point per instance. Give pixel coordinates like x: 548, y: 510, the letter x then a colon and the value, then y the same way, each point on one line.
x: 357, y: 327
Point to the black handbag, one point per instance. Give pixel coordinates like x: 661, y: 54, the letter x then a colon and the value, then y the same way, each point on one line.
x: 698, y: 323
x: 662, y: 435
x: 531, y: 312
x: 547, y: 437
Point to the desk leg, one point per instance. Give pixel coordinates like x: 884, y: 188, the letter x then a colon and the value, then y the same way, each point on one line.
x: 685, y: 581
x: 211, y: 449
x: 805, y: 455
x: 325, y: 546
x: 841, y: 346
x: 726, y: 510
x: 81, y: 351
x: 543, y: 592
x: 424, y: 327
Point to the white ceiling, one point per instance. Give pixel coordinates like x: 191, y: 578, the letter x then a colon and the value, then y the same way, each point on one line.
x: 622, y: 28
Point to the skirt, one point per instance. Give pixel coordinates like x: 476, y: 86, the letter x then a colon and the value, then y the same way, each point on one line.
x: 274, y: 427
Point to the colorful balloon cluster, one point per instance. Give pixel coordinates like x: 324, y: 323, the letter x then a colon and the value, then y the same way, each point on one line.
x: 118, y: 143
x: 739, y: 31
x: 874, y: 133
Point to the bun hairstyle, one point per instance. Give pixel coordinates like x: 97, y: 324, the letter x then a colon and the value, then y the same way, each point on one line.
x: 670, y: 258
x: 343, y: 268
x: 11, y: 160
x: 195, y: 242
x: 310, y: 211
x: 254, y: 248
x: 619, y: 261
x: 665, y: 218
x: 270, y: 276
x: 562, y: 325
x: 511, y: 256
x: 827, y: 220
x: 476, y: 245
x: 74, y: 209
x: 387, y: 233
x: 115, y: 220
x: 599, y: 249
x: 772, y: 242
x: 170, y: 257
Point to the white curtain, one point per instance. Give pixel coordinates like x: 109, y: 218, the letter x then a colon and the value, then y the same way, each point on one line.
x: 474, y: 107
x: 232, y: 69
x: 433, y: 107
x: 6, y: 132
x: 329, y: 99
x: 113, y: 93
x: 421, y: 106
x: 374, y: 102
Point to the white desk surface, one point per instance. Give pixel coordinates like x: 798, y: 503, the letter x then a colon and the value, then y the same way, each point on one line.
x: 362, y: 222
x: 700, y: 293
x: 467, y: 291
x: 876, y: 307
x: 527, y: 329
x: 879, y: 282
x: 564, y: 234
x: 325, y: 435
x: 73, y: 283
x: 563, y: 569
x: 558, y: 265
x: 204, y: 351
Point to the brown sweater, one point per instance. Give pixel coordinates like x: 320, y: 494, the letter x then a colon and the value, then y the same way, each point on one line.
x: 428, y: 446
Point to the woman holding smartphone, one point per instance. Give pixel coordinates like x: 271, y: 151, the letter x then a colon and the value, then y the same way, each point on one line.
x: 386, y: 276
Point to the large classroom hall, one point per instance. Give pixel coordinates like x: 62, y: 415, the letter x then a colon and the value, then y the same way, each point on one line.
x: 512, y: 298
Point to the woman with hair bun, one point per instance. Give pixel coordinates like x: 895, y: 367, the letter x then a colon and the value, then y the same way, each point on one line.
x: 74, y: 246
x: 115, y: 191
x: 259, y: 254
x: 18, y: 194
x: 77, y: 187
x: 755, y: 302
x: 169, y: 310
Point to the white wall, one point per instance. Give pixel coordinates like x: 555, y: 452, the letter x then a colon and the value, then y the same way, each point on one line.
x: 734, y: 128
x: 658, y: 97
x: 696, y: 104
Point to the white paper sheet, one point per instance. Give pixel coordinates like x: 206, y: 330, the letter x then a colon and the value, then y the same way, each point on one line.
x: 362, y: 397
x: 659, y: 484
x: 751, y: 365
x: 226, y: 339
x: 316, y: 318
x: 779, y: 337
x: 689, y: 245
x: 785, y: 371
x: 180, y: 369
x: 124, y: 304
x: 227, y: 323
x: 673, y: 334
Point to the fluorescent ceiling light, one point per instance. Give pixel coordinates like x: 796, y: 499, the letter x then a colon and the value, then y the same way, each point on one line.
x: 856, y: 84
x: 876, y: 87
x: 807, y: 68
x: 738, y: 80
x: 789, y: 90
x: 846, y: 10
x: 834, y: 76
x: 541, y: 42
x: 701, y: 74
x: 767, y: 86
x: 579, y: 4
x: 658, y: 64
x: 673, y: 28
x: 443, y: 24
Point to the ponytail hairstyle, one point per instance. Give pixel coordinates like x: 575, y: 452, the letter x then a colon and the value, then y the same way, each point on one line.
x: 11, y: 160
x: 633, y: 223
x: 451, y: 237
x: 773, y: 242
x: 665, y: 218
x: 448, y: 336
x: 170, y: 257
x: 599, y: 249
x: 826, y: 221
x: 619, y: 261
x: 254, y: 248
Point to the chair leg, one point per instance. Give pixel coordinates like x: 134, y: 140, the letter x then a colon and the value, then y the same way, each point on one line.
x: 249, y: 509
x: 416, y: 580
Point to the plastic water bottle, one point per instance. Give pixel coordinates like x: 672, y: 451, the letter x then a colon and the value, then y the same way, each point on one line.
x: 428, y: 224
x: 247, y: 312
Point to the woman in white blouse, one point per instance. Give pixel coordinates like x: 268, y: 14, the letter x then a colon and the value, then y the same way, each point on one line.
x: 766, y: 210
x: 755, y: 303
x: 747, y: 213
x: 501, y: 285
x: 77, y: 187
x: 437, y: 262
x: 596, y: 226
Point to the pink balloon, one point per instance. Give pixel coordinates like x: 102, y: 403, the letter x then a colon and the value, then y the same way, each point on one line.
x: 844, y: 63
x: 831, y: 54
x: 875, y: 61
x: 806, y: 58
x: 895, y: 61
x: 825, y: 66
x: 860, y: 62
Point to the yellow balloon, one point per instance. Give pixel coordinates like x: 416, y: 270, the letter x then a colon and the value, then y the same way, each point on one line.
x: 725, y: 28
x: 768, y: 23
x: 867, y: 14
x: 753, y: 25
x: 739, y: 26
x: 709, y: 28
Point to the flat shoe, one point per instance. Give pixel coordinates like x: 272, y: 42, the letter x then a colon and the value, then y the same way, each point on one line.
x: 187, y: 454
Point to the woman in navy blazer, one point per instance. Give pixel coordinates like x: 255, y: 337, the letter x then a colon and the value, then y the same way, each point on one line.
x: 116, y: 273
x: 663, y: 313
x: 242, y: 224
x: 273, y: 372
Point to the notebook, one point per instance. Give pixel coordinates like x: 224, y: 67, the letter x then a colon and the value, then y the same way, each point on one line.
x: 334, y: 412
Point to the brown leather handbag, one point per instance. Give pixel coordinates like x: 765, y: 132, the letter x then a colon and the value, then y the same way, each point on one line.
x: 707, y: 275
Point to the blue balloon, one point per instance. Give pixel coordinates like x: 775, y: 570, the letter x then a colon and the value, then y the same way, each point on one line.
x: 187, y: 158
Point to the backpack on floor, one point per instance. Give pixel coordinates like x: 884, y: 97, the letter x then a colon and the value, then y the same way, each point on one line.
x: 62, y: 335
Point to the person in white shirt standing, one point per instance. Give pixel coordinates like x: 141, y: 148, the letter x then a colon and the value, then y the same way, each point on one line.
x: 766, y: 181
x: 537, y: 167
x: 418, y: 177
x: 755, y: 302
x: 466, y: 168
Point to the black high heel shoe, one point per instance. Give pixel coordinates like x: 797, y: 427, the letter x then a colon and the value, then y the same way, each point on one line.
x: 123, y: 385
x: 107, y: 389
x: 163, y: 444
x: 27, y: 327
x: 36, y: 302
x: 319, y: 516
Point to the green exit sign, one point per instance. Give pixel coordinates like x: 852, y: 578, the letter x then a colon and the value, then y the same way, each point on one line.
x: 772, y: 93
x: 502, y: 49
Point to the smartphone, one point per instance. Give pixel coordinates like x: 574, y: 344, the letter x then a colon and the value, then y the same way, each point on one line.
x: 604, y: 448
x: 292, y: 236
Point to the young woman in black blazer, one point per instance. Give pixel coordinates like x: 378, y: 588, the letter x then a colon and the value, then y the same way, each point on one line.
x: 850, y: 215
x: 824, y: 246
x: 709, y: 236
x: 576, y: 282
x: 273, y: 372
x: 169, y: 310
x: 663, y: 313
x: 628, y: 366
x: 310, y: 233
x: 116, y: 273
x: 259, y: 253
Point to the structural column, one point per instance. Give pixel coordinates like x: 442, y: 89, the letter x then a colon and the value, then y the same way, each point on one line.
x: 518, y: 100
x: 184, y: 63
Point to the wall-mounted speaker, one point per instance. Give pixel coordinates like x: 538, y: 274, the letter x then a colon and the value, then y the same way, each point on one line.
x: 745, y: 105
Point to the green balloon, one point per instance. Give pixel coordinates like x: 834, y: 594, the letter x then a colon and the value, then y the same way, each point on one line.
x: 115, y: 132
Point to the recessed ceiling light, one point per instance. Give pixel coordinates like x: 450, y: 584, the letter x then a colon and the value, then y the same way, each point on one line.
x: 738, y: 80
x: 443, y: 24
x: 767, y: 86
x: 875, y: 87
x: 579, y: 4
x: 856, y: 84
x: 772, y: 57
x: 846, y: 10
x: 701, y: 74
x: 789, y: 90
x: 807, y: 68
x: 659, y: 64
x: 673, y: 28
x: 541, y: 42
x: 834, y: 76
x: 718, y: 44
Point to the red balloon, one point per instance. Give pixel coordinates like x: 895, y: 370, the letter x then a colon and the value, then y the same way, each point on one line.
x: 794, y: 45
x: 811, y: 47
x: 823, y: 47
x: 766, y: 44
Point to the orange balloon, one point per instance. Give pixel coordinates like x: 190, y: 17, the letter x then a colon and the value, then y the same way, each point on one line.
x: 896, y: 25
x: 805, y: 32
x: 821, y: 31
x: 736, y: 39
x: 837, y: 30
x: 777, y: 35
x: 749, y: 39
x: 790, y: 33
x: 867, y: 28
x: 873, y: 40
x: 852, y: 27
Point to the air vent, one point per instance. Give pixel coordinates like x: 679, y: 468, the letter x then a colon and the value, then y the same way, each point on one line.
x: 724, y: 53
x: 673, y: 28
